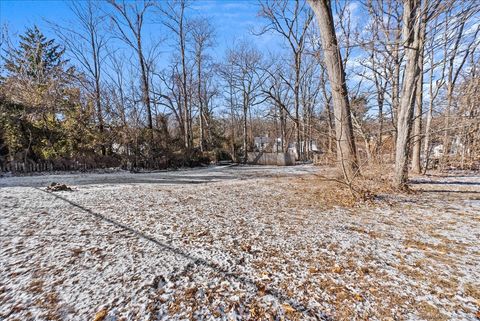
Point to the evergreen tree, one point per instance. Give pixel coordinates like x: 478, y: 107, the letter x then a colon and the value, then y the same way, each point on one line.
x: 37, y: 59
x: 40, y: 94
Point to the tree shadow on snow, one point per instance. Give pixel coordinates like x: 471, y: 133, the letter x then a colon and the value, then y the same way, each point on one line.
x: 418, y: 182
x: 196, y: 260
x: 41, y: 181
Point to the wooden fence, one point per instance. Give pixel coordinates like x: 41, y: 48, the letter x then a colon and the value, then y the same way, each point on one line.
x: 17, y: 167
x: 31, y: 167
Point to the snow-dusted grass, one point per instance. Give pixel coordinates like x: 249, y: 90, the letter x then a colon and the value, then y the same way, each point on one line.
x: 235, y: 243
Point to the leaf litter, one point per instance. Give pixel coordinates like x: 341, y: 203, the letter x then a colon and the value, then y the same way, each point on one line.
x: 252, y: 243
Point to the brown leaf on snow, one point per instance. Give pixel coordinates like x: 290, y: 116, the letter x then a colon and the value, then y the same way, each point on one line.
x: 337, y: 269
x: 246, y: 247
x: 100, y: 315
x: 358, y: 297
x: 261, y: 288
x: 288, y: 308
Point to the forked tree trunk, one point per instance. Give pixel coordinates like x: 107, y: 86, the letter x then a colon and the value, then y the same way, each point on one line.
x: 346, y: 151
x: 411, y: 35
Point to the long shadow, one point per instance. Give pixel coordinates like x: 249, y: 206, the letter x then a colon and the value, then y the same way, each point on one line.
x: 196, y: 260
x: 447, y: 191
x: 445, y: 183
x: 131, y: 179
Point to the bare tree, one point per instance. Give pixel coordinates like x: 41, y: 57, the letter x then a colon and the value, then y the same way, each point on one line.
x: 86, y: 40
x: 417, y: 128
x: 247, y: 78
x: 203, y: 37
x: 291, y: 22
x: 429, y: 9
x: 175, y: 21
x: 457, y: 59
x: 386, y: 58
x: 346, y: 150
x: 129, y: 23
x: 278, y: 93
x: 411, y: 38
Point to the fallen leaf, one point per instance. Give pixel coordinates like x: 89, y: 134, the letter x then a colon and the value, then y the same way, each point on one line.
x: 288, y: 308
x: 100, y: 315
x: 358, y: 297
x: 337, y: 269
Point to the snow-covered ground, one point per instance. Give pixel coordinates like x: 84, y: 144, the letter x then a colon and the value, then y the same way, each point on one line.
x: 235, y: 243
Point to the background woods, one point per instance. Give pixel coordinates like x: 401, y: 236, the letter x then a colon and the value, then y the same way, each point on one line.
x: 153, y: 84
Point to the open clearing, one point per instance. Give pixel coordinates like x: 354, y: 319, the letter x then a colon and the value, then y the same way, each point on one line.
x: 235, y: 243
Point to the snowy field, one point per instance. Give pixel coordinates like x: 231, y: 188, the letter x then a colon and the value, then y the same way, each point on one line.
x: 235, y: 243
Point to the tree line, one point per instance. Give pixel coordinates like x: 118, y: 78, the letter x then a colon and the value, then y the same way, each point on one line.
x: 371, y: 81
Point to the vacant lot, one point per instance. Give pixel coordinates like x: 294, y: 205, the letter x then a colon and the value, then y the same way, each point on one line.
x: 235, y: 243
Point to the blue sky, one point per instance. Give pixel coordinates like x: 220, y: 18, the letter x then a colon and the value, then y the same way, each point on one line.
x: 233, y: 19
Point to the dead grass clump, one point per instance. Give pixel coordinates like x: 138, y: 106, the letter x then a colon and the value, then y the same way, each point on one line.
x: 330, y: 189
x: 36, y: 286
x: 322, y: 193
x: 473, y: 291
x: 430, y: 312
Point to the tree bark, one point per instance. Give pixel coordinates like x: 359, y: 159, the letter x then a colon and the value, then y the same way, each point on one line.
x: 346, y: 150
x: 245, y: 129
x: 411, y: 34
x: 184, y: 79
x: 417, y: 128
x: 200, y: 100
x: 145, y: 90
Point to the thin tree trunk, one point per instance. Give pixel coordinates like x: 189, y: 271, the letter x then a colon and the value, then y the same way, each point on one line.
x: 145, y: 91
x: 98, y: 102
x: 186, y: 121
x: 297, y: 103
x: 428, y: 125
x: 200, y: 101
x: 245, y: 132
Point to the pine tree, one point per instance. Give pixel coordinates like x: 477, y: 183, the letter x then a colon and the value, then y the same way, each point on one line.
x: 37, y: 59
x: 40, y: 95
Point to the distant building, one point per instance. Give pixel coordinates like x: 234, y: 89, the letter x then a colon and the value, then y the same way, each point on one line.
x: 270, y: 144
x: 455, y: 148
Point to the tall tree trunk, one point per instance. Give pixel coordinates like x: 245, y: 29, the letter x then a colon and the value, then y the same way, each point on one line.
x: 446, y: 133
x: 98, y: 101
x: 395, y: 92
x: 411, y: 34
x: 200, y: 101
x: 380, y: 100
x: 346, y: 150
x: 245, y: 131
x: 186, y: 113
x: 146, y: 92
x: 232, y: 112
x: 98, y: 104
x: 282, y: 127
x: 297, y: 103
x: 328, y: 108
x: 417, y: 127
x: 331, y: 130
x: 426, y: 143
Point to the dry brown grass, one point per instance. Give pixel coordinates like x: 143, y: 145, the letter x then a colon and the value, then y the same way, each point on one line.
x: 329, y: 189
